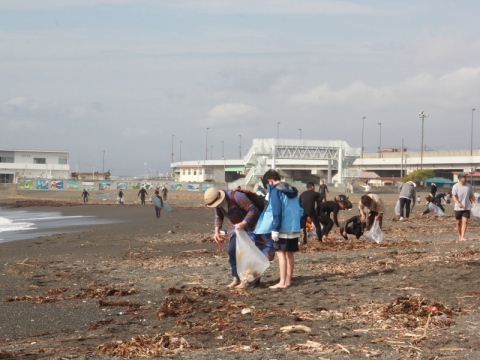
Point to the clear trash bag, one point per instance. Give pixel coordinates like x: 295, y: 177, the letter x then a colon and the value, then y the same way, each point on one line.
x: 251, y: 262
x: 375, y: 233
x: 435, y: 210
x: 397, y: 208
x: 475, y: 210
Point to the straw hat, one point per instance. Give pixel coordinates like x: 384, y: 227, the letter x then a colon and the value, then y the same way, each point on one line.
x: 213, y: 197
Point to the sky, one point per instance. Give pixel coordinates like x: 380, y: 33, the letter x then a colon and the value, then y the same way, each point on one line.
x: 125, y: 77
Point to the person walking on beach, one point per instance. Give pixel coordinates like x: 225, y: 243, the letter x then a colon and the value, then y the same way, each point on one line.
x: 120, y: 197
x: 433, y: 190
x: 285, y: 220
x: 85, y: 196
x: 158, y: 209
x: 375, y: 207
x: 407, y: 198
x: 243, y: 214
x: 310, y: 201
x: 142, y: 193
x: 164, y: 192
x: 323, y: 190
x: 462, y: 195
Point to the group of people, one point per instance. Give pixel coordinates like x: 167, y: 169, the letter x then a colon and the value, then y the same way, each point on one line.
x: 275, y: 227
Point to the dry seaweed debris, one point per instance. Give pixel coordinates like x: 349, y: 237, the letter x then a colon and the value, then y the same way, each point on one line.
x: 58, y: 295
x: 175, y: 307
x: 146, y: 346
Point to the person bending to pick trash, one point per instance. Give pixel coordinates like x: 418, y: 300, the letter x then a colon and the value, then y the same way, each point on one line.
x: 243, y: 214
x: 374, y: 204
x: 462, y: 194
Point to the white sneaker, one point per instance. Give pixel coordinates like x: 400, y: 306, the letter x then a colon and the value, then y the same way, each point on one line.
x: 401, y: 218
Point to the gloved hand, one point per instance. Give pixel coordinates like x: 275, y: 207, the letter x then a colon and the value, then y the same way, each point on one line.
x: 275, y: 235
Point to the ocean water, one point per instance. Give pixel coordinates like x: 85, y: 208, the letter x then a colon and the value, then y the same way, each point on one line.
x: 23, y: 224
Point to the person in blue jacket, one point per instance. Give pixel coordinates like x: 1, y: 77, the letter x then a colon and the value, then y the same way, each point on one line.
x: 282, y: 217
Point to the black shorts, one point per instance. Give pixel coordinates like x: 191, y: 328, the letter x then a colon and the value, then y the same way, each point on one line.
x: 462, y: 213
x: 286, y: 245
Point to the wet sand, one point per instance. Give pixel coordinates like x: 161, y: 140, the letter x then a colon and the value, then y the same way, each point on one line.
x: 86, y: 294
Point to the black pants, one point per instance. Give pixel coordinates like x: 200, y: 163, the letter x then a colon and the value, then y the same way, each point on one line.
x: 164, y: 196
x: 405, y: 204
x: 352, y: 230
x: 327, y: 224
x: 158, y: 211
x: 142, y: 199
x: 318, y: 228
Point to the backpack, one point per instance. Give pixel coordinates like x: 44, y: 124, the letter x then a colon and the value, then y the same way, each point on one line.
x: 257, y: 200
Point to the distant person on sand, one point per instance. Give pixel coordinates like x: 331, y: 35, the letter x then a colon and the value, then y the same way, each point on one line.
x: 462, y: 195
x: 375, y: 207
x: 164, y: 192
x: 353, y: 226
x: 120, y: 199
x: 142, y: 193
x: 433, y: 190
x: 158, y: 210
x: 407, y: 198
x: 85, y: 196
x: 310, y: 201
x: 323, y: 189
x: 243, y: 214
x: 283, y: 222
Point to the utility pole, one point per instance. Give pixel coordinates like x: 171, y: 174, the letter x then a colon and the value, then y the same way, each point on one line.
x: 422, y: 116
x: 240, y: 147
x: 103, y: 163
x: 471, y: 136
x: 363, y: 126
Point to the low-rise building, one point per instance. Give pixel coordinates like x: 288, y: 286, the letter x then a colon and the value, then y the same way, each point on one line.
x: 33, y: 164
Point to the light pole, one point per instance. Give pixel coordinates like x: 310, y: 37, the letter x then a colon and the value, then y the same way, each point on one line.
x: 471, y: 136
x: 223, y: 155
x: 363, y: 126
x: 103, y: 160
x: 206, y: 145
x: 380, y: 144
x: 180, y: 151
x: 278, y: 129
x: 211, y: 152
x: 146, y: 176
x: 240, y: 147
x: 422, y: 115
x: 300, y: 130
x: 172, y: 147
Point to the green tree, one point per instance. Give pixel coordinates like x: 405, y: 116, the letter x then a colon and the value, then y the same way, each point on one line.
x: 419, y: 175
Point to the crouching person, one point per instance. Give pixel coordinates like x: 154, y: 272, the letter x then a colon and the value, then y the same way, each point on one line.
x: 282, y: 218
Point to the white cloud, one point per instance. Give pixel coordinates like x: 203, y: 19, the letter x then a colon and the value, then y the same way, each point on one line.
x: 270, y: 7
x: 232, y: 113
x: 458, y: 87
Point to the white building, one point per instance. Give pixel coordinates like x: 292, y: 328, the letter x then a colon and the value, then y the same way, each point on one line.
x: 294, y: 159
x: 31, y: 164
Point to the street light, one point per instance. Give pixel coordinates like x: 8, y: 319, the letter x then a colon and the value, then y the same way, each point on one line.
x: 422, y: 115
x: 471, y: 136
x: 172, y: 147
x: 380, y: 145
x: 211, y: 152
x: 146, y: 176
x: 223, y: 155
x: 363, y: 126
x: 240, y: 147
x: 180, y: 151
x: 300, y: 130
x: 278, y: 129
x: 206, y: 145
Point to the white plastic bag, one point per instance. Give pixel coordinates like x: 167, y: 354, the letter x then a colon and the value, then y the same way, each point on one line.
x: 375, y: 233
x: 475, y: 210
x: 435, y: 210
x: 397, y: 208
x: 251, y: 262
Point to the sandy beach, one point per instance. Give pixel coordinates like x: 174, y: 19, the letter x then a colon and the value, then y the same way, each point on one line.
x: 143, y: 287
